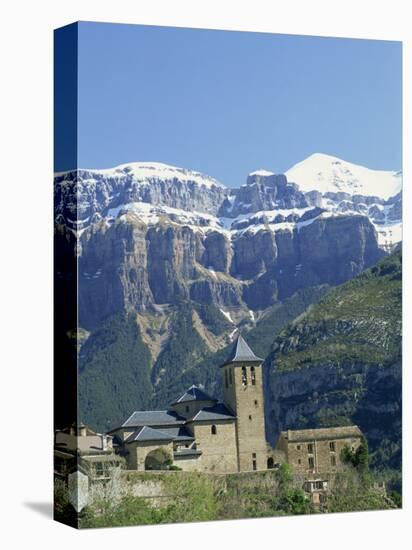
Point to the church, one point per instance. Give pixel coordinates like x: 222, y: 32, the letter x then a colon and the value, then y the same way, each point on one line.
x: 198, y: 433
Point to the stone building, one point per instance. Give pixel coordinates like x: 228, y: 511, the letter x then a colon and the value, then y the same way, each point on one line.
x: 197, y: 433
x: 80, y: 448
x: 317, y: 452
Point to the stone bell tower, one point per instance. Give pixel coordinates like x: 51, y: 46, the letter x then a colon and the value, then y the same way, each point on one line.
x: 243, y: 394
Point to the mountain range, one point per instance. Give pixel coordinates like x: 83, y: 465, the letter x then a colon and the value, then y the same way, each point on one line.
x: 169, y: 264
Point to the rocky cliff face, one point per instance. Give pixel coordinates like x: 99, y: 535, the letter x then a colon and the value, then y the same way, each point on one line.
x: 84, y: 197
x: 339, y: 363
x: 130, y: 266
x: 156, y: 191
x: 189, y: 260
x: 263, y: 191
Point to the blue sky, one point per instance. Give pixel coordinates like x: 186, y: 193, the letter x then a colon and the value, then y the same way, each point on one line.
x: 227, y: 103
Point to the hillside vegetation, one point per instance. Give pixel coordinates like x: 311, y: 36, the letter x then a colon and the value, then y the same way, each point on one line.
x: 201, y: 497
x: 340, y: 363
x: 358, y: 321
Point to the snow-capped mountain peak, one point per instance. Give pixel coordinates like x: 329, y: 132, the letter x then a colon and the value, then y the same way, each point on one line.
x: 147, y: 171
x: 155, y: 191
x: 326, y: 173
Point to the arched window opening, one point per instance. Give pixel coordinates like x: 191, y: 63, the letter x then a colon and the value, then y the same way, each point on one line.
x: 270, y: 463
x: 253, y: 376
x: 213, y: 430
x: 244, y: 376
x: 158, y: 459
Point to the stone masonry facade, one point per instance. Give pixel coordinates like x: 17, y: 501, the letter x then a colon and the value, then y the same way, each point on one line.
x: 198, y: 433
x: 318, y: 452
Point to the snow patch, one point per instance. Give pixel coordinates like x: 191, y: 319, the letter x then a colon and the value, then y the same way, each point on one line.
x: 228, y: 317
x: 145, y: 172
x: 261, y: 173
x: 325, y: 173
x: 389, y: 235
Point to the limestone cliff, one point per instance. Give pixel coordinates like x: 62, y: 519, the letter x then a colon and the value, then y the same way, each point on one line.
x: 340, y: 363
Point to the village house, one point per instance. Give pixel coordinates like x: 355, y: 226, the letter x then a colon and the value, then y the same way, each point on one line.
x: 318, y: 451
x: 80, y: 448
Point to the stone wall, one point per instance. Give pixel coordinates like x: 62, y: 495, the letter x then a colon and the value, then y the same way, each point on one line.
x: 324, y: 454
x: 219, y: 454
x: 189, y: 463
x: 137, y: 453
x: 247, y: 402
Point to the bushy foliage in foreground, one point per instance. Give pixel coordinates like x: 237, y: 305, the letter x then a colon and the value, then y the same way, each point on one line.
x: 198, y: 497
x: 188, y: 497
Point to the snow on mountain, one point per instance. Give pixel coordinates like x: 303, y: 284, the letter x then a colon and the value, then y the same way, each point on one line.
x: 261, y: 173
x: 146, y: 171
x: 153, y: 191
x: 150, y: 214
x: 326, y: 173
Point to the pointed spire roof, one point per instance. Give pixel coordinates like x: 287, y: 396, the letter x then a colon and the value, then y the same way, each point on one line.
x: 241, y: 353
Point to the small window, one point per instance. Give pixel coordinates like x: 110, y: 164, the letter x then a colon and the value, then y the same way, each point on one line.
x: 299, y: 461
x: 322, y: 499
x: 250, y: 417
x: 333, y: 460
x: 244, y: 376
x: 99, y: 469
x: 310, y: 448
x: 332, y: 446
x: 253, y: 455
x: 253, y: 376
x: 311, y: 462
x: 213, y: 430
x: 256, y: 403
x: 187, y: 408
x: 254, y: 464
x: 298, y: 447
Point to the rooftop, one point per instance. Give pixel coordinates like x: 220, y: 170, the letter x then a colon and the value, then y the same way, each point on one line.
x: 153, y: 418
x: 179, y: 433
x: 194, y: 393
x: 340, y: 432
x: 149, y: 434
x: 241, y: 353
x: 217, y: 412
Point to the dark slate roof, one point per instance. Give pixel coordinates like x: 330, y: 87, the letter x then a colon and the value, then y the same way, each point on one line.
x: 179, y: 433
x: 153, y: 418
x: 149, y: 434
x: 194, y: 393
x: 186, y: 452
x: 217, y: 412
x: 241, y: 353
